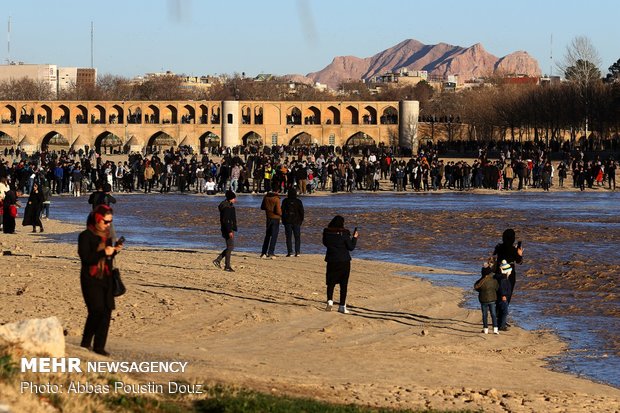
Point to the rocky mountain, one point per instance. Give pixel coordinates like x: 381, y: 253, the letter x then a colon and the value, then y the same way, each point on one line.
x: 438, y: 60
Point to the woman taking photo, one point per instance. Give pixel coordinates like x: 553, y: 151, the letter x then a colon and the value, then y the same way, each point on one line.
x: 339, y: 242
x: 97, y: 255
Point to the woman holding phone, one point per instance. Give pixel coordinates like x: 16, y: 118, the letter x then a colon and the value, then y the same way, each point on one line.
x: 339, y: 243
x: 97, y: 256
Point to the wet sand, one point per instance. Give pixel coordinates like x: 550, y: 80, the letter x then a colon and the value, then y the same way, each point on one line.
x: 406, y: 343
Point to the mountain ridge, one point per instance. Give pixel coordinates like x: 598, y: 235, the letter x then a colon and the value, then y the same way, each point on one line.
x: 441, y: 59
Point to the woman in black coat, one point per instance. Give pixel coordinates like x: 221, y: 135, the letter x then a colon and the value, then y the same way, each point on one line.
x: 32, y: 213
x: 339, y: 242
x: 97, y: 256
x: 8, y: 220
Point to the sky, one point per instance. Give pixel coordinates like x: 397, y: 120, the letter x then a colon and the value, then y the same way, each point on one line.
x: 205, y: 37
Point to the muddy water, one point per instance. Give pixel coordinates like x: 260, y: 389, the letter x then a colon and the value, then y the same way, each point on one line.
x: 569, y: 281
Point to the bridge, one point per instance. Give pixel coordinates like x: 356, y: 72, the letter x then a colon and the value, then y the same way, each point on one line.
x: 124, y: 126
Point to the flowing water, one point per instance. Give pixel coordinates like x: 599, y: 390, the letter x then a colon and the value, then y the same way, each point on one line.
x: 569, y: 281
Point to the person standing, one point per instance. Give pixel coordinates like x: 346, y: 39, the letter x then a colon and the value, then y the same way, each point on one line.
x: 97, y: 257
x: 32, y: 213
x: 339, y: 243
x: 487, y: 287
x: 10, y: 203
x: 506, y: 251
x: 292, y: 218
x: 228, y: 223
x: 273, y: 211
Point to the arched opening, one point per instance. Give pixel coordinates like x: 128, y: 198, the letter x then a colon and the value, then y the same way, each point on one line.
x: 54, y: 141
x: 99, y: 115
x: 312, y: 116
x: 293, y: 116
x: 215, y: 115
x: 159, y: 141
x: 170, y: 115
x: 108, y: 143
x: 258, y: 115
x: 389, y: 116
x: 8, y: 115
x: 62, y: 115
x: 151, y: 114
x: 6, y: 140
x: 44, y: 114
x: 117, y: 114
x: 352, y: 115
x: 208, y: 140
x: 360, y: 139
x: 204, y: 114
x: 252, y: 138
x: 26, y: 114
x: 134, y: 115
x: 303, y: 139
x: 246, y: 115
x: 332, y: 116
x: 369, y: 116
x: 189, y: 114
x: 82, y: 114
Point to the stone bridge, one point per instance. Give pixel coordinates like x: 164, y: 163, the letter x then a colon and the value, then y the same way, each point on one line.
x: 120, y: 126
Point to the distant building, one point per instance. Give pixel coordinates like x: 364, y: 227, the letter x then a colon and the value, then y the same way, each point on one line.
x: 401, y: 78
x: 58, y: 78
x: 75, y: 76
x: 44, y: 73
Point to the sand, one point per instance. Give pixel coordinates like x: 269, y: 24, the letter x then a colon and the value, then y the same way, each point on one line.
x: 406, y: 343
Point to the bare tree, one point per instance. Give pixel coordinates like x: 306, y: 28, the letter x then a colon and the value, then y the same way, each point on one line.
x: 25, y: 89
x: 581, y: 62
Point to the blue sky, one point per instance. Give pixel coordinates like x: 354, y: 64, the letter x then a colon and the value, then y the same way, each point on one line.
x: 198, y: 37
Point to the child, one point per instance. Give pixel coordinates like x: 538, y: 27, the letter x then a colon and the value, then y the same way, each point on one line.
x: 503, y: 294
x: 487, y: 295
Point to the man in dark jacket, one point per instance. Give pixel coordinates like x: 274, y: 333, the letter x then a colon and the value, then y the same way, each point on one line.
x: 273, y: 211
x: 228, y: 223
x: 292, y: 218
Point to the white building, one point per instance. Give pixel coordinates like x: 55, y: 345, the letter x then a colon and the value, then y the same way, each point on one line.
x: 45, y: 73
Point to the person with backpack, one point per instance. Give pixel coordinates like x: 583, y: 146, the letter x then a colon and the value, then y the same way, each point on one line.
x: 292, y: 218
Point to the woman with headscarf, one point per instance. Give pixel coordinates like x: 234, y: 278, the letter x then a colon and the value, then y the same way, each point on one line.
x: 10, y: 203
x: 32, y: 213
x: 97, y: 256
x: 507, y: 252
x: 339, y: 243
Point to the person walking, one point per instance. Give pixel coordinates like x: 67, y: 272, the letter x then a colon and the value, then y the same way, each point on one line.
x: 32, y: 213
x: 339, y: 243
x: 292, y: 218
x: 273, y: 212
x: 10, y: 203
x: 97, y: 257
x: 228, y: 223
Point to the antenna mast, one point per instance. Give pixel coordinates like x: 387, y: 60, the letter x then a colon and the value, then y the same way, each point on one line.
x: 8, y: 38
x: 551, y: 57
x: 92, y: 44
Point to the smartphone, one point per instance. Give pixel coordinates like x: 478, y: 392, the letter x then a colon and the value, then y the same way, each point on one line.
x: 519, y: 244
x: 354, y: 230
x: 120, y: 241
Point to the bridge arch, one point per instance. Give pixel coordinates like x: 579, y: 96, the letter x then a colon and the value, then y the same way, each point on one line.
x: 302, y: 139
x: 54, y: 141
x: 170, y: 115
x: 204, y: 114
x: 246, y: 115
x: 152, y: 114
x: 360, y: 139
x: 189, y: 114
x: 258, y: 115
x: 252, y: 138
x: 62, y: 114
x: 108, y: 143
x: 117, y: 114
x: 215, y: 115
x: 82, y: 114
x: 293, y: 116
x: 332, y: 116
x: 369, y: 115
x: 44, y: 114
x: 6, y: 139
x: 208, y: 140
x: 389, y: 116
x: 351, y: 115
x: 134, y: 114
x: 8, y: 114
x: 160, y: 140
x: 99, y: 116
x: 312, y: 116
